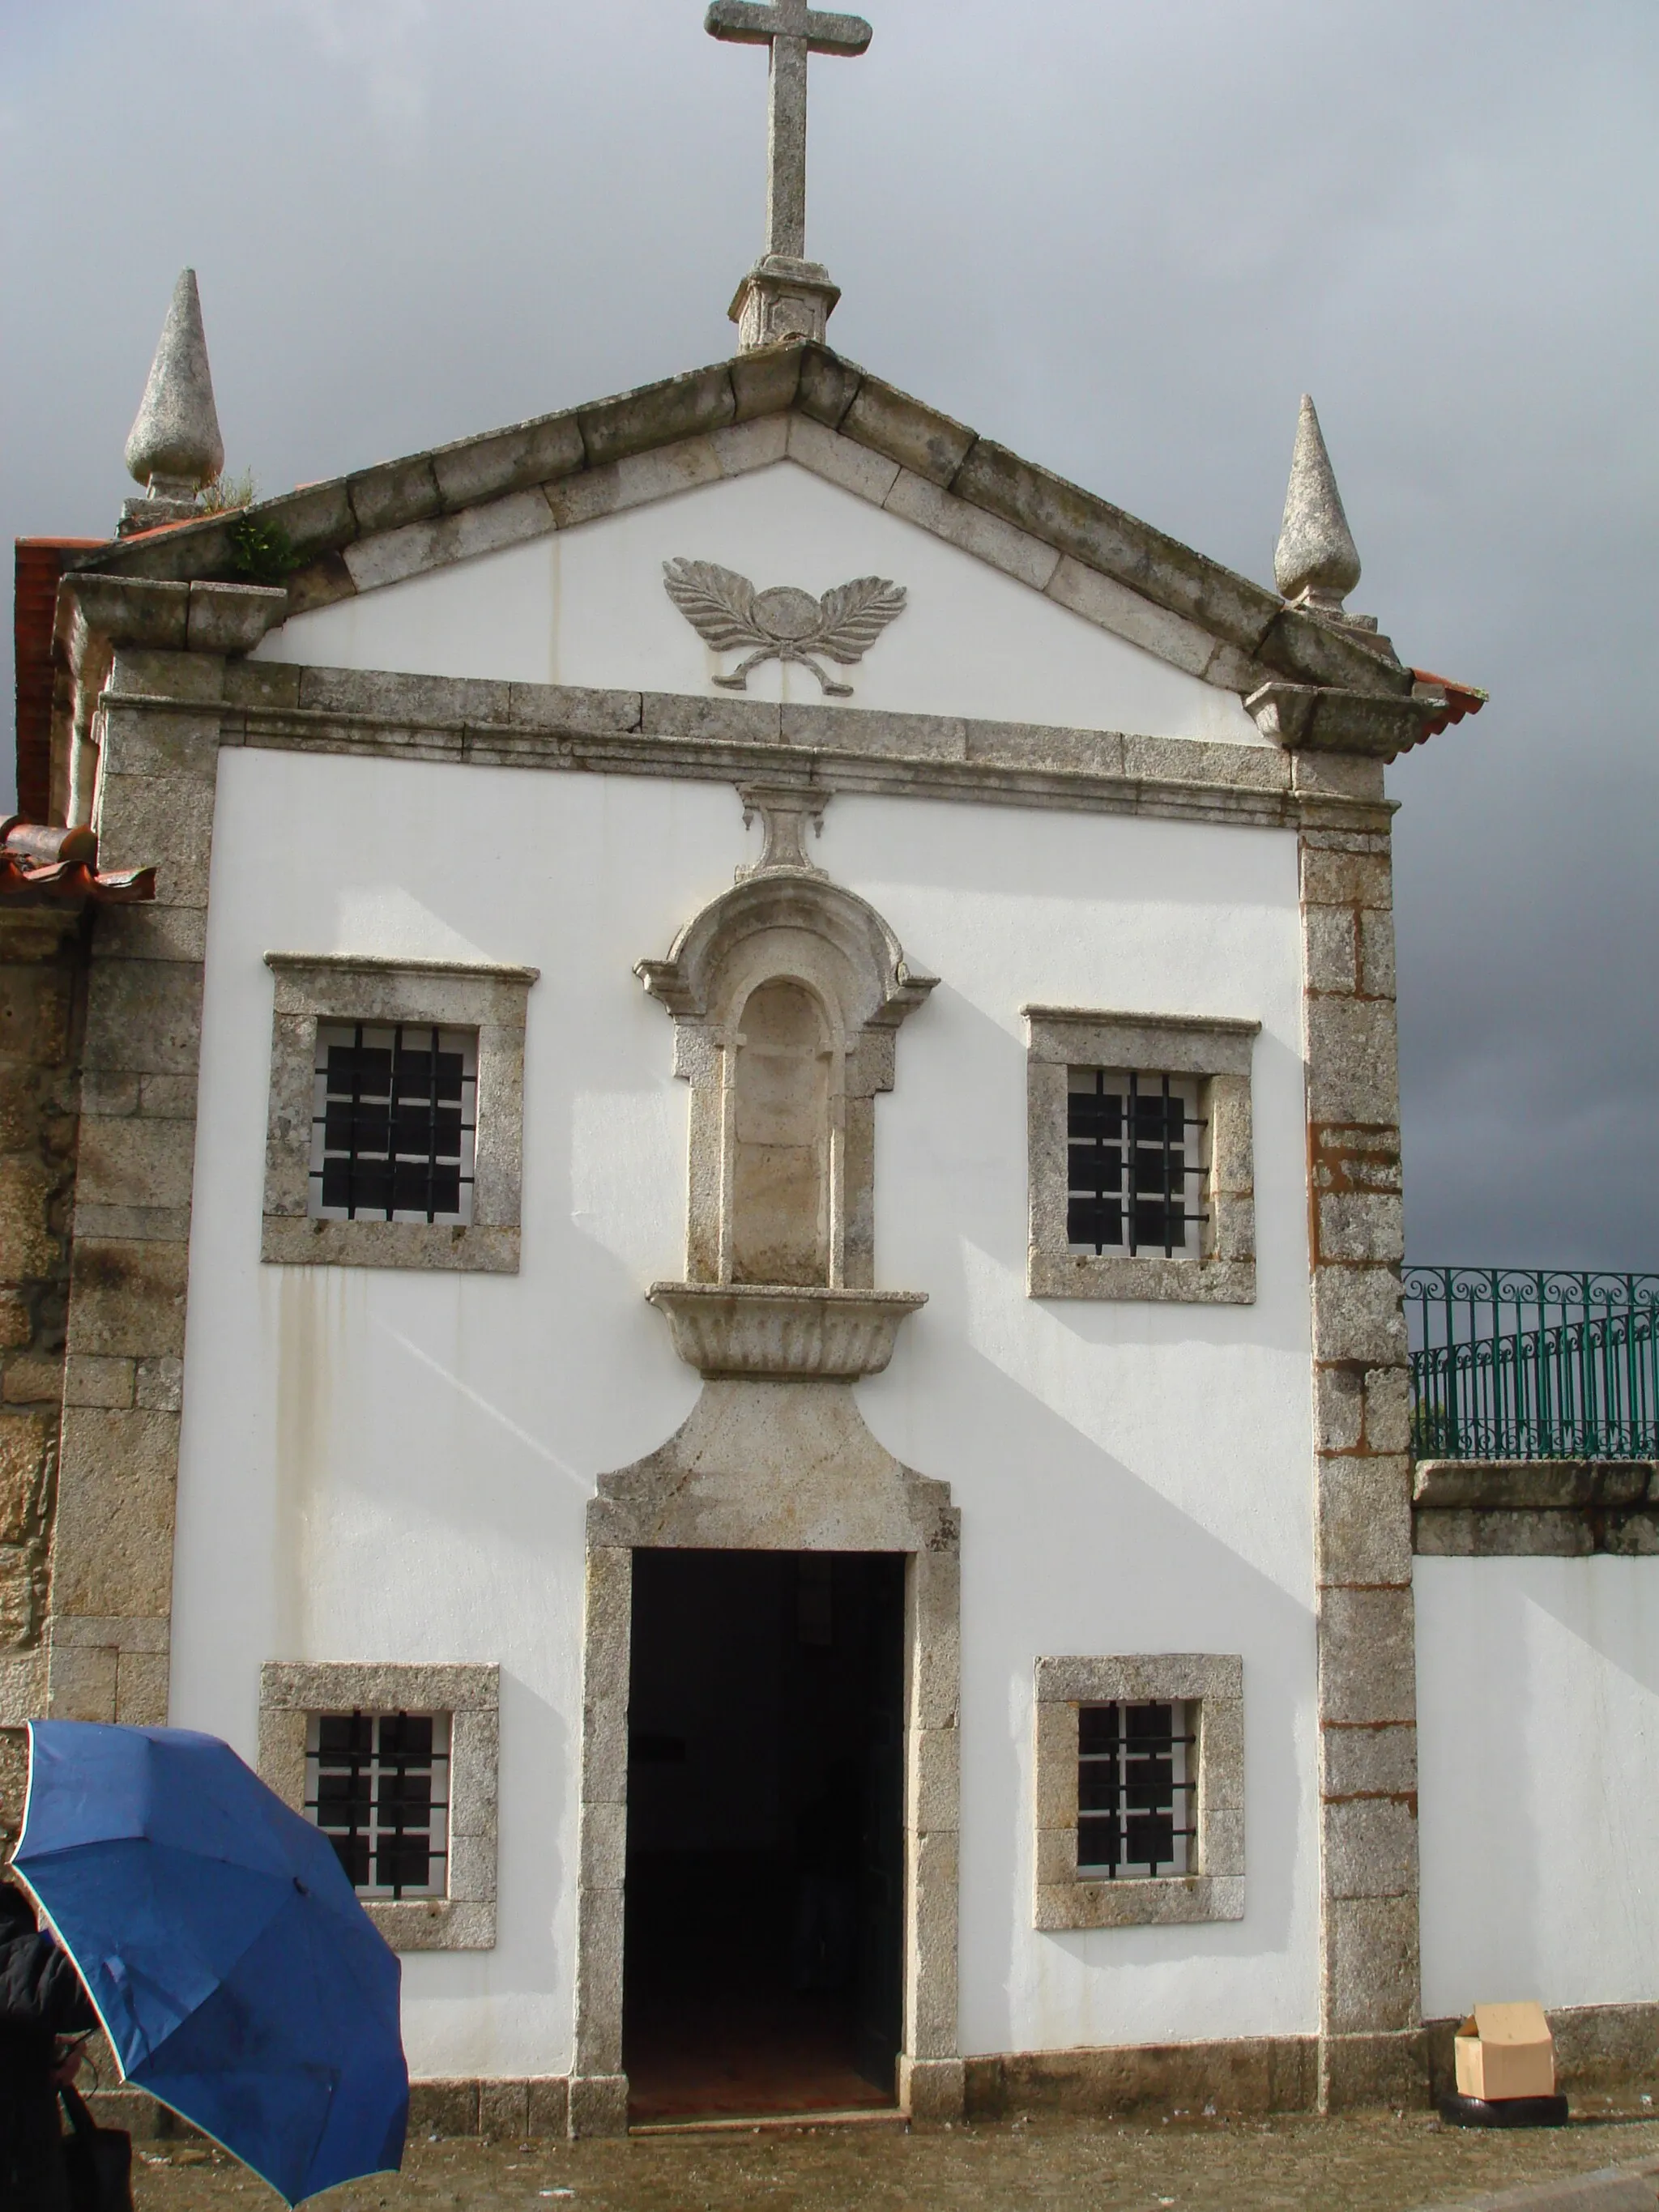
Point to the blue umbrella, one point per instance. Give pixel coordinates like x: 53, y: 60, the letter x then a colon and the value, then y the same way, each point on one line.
x: 236, y: 1974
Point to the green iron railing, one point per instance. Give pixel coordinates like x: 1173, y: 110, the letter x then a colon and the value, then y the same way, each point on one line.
x: 1520, y: 1363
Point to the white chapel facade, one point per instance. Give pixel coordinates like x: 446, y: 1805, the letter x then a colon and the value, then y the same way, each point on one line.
x: 745, y: 1184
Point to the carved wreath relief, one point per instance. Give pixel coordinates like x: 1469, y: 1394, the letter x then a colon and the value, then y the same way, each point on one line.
x: 781, y: 623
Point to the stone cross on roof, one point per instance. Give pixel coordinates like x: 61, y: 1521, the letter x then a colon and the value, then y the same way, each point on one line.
x: 786, y: 295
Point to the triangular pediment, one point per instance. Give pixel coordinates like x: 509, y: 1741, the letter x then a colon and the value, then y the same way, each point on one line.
x: 729, y: 450
x: 587, y: 606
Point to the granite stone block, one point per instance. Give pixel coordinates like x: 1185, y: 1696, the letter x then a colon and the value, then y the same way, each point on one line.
x: 919, y: 498
x: 1358, y: 1315
x: 639, y: 421
x: 479, y: 469
x: 128, y: 1298
x: 828, y: 386
x: 842, y: 460
x: 1367, y: 1656
x: 1370, y: 1847
x: 1364, y: 1521
x: 765, y: 382
x: 1371, y: 1966
x: 918, y: 437
x: 1368, y: 1761
x: 1113, y: 606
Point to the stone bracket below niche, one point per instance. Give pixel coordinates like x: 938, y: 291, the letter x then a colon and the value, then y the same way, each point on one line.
x: 759, y: 1328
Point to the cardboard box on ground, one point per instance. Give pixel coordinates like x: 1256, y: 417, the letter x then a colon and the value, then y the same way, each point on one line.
x: 1505, y: 2051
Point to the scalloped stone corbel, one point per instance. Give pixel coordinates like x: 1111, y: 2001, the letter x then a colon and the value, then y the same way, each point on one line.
x: 804, y: 1335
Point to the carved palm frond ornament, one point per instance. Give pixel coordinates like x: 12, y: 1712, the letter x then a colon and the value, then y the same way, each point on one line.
x: 781, y: 624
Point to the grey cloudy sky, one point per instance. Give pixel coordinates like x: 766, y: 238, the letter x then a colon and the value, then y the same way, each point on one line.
x: 1119, y: 235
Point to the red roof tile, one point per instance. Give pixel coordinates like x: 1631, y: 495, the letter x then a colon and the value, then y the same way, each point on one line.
x: 1461, y: 699
x: 45, y: 867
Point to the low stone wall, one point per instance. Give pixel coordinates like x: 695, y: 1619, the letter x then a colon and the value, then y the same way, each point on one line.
x: 505, y: 2111
x: 1565, y: 1508
x: 1599, y: 2049
x: 1261, y: 2074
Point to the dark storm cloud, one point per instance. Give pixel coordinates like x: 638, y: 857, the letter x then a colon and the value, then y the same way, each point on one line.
x: 1121, y: 238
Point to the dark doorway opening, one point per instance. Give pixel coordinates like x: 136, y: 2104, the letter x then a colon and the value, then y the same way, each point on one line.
x: 764, y: 1929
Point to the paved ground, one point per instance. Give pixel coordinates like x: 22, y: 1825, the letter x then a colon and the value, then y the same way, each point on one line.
x: 1043, y: 2165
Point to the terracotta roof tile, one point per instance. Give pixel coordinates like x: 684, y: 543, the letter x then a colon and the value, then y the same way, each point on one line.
x: 1461, y: 699
x: 43, y: 866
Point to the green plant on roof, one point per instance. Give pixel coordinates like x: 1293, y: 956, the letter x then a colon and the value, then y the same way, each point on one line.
x: 262, y: 550
x: 226, y: 494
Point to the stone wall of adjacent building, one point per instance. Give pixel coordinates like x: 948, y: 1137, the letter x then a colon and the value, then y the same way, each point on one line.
x: 42, y: 1020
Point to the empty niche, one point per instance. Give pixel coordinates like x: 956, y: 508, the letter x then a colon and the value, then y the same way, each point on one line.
x: 781, y: 1138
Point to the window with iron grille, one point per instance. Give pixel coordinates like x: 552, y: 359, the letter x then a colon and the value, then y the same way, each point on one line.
x: 1136, y: 1789
x: 377, y: 1784
x: 1141, y: 1183
x: 1139, y: 1789
x: 394, y: 1122
x: 1135, y: 1169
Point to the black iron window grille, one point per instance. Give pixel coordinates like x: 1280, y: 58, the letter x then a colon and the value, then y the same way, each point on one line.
x: 377, y: 1784
x: 393, y: 1122
x: 1134, y: 1175
x: 1137, y: 1789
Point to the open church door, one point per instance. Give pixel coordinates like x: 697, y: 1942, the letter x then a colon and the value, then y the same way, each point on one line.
x: 764, y: 1911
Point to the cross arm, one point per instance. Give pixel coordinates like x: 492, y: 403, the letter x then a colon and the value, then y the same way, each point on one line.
x: 745, y: 24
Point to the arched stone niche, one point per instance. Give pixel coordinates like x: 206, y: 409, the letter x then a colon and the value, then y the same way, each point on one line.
x: 782, y: 1152
x: 774, y: 1466
x: 787, y: 993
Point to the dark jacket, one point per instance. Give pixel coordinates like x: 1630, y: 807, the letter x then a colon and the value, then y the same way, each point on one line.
x: 41, y: 1999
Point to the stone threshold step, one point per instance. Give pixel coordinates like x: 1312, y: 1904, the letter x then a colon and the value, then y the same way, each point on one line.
x: 771, y: 2123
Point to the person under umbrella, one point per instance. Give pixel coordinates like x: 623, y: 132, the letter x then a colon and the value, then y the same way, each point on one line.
x: 41, y: 1998
x: 225, y: 1951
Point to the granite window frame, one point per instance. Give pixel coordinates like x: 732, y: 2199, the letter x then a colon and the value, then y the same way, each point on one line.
x: 292, y: 1692
x: 1213, y: 1685
x: 313, y: 990
x: 1215, y: 1052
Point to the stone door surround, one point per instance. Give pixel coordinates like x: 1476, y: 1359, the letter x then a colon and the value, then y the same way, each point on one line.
x: 774, y: 1465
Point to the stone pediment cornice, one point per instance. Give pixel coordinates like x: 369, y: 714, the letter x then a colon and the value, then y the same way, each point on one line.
x: 400, y: 517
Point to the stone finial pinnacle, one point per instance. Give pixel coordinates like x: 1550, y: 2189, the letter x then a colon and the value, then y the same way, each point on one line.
x: 174, y: 447
x: 1316, y: 562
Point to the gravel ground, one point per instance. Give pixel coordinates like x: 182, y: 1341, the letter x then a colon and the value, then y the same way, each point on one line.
x: 1373, y: 2164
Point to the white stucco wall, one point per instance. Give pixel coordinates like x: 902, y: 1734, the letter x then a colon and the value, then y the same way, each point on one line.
x: 394, y: 1465
x: 587, y: 607
x: 1538, y: 1719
